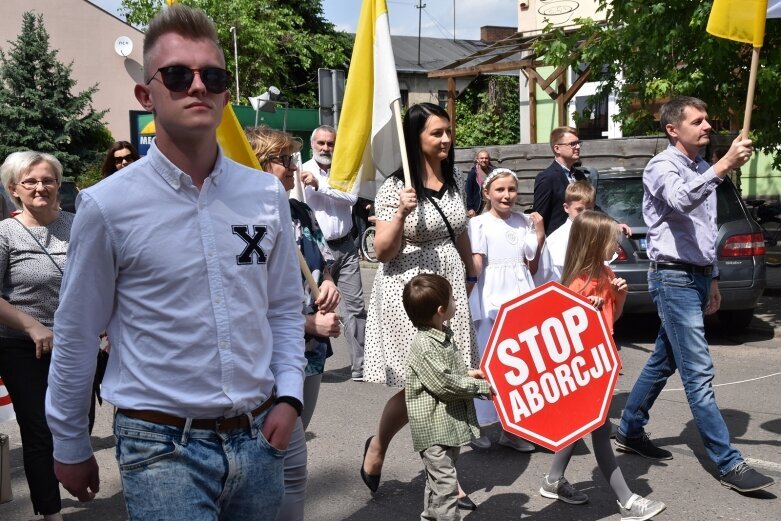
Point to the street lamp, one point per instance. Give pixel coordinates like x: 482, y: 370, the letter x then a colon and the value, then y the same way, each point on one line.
x: 266, y: 103
x: 236, y: 61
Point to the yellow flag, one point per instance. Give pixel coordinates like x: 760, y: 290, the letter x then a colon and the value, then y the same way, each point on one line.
x: 739, y: 20
x: 233, y: 140
x: 367, y: 137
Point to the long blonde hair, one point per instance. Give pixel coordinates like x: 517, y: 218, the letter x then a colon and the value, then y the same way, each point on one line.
x: 591, y: 235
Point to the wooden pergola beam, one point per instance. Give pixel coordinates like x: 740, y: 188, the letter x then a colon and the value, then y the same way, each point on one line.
x: 481, y: 69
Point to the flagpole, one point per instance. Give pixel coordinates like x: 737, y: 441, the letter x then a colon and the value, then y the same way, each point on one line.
x: 396, y: 107
x: 752, y: 80
x: 310, y: 280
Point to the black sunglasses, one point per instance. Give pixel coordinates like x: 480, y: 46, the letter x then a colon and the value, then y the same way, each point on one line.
x: 284, y: 160
x: 178, y: 78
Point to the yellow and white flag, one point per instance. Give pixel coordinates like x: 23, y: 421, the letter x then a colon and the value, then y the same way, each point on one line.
x: 367, y: 140
x: 742, y: 20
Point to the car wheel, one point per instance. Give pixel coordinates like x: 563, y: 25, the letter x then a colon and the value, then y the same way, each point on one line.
x: 735, y: 319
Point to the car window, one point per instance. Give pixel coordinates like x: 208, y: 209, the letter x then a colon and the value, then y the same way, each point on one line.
x: 622, y: 199
x: 728, y: 204
x: 6, y: 204
x: 68, y: 193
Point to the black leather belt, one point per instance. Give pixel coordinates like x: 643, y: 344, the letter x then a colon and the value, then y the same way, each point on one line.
x: 682, y: 266
x: 216, y: 424
x: 340, y: 240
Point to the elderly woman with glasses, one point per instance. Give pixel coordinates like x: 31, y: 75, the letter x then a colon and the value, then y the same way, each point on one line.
x: 118, y: 156
x: 275, y: 150
x: 33, y: 248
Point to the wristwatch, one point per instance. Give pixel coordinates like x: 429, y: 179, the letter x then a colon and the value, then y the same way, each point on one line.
x: 295, y: 403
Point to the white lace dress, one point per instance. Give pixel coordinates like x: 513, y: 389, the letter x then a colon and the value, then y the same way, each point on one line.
x: 504, y: 245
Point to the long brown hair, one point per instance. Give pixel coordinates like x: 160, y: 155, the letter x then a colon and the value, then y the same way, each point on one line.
x: 109, y: 163
x: 591, y: 235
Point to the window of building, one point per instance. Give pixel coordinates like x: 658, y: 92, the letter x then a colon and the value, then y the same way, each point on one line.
x: 442, y: 98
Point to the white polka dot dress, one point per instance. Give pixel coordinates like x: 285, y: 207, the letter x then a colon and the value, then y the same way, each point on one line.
x: 426, y: 248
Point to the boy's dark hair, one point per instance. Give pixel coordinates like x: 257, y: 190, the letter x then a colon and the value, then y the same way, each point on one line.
x: 423, y: 295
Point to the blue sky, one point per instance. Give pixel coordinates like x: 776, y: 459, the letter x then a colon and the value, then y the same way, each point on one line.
x: 436, y: 19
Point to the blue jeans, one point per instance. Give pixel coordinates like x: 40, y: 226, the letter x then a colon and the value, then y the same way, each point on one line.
x: 173, y: 474
x: 680, y: 299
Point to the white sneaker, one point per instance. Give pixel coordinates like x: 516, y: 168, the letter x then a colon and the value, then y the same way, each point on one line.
x: 639, y: 508
x: 514, y: 442
x: 483, y: 442
x: 563, y: 491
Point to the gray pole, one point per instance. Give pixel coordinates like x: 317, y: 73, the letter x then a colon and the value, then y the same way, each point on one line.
x: 420, y: 7
x: 334, y: 98
x: 454, y: 20
x: 236, y: 59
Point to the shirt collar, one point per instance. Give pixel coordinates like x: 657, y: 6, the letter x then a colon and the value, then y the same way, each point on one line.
x: 683, y: 158
x: 441, y: 336
x: 173, y: 175
x: 566, y: 170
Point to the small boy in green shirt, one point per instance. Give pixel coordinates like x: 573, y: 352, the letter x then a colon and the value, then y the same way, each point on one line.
x: 439, y: 391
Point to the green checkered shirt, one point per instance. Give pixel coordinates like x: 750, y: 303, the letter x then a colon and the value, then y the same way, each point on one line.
x: 439, y: 393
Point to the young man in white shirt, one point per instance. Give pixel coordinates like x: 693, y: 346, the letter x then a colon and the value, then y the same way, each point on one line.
x: 187, y: 260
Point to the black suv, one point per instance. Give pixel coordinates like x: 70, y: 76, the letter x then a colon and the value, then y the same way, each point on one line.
x: 68, y: 193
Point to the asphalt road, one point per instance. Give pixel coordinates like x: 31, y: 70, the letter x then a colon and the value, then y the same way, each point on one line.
x: 502, y: 482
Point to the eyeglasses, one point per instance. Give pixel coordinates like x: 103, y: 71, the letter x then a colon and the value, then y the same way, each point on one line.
x: 122, y: 159
x: 572, y: 144
x: 32, y: 184
x: 285, y: 160
x: 178, y: 78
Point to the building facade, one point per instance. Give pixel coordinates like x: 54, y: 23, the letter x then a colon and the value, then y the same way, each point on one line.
x: 85, y: 35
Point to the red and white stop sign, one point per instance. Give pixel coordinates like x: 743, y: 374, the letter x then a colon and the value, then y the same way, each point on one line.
x: 554, y: 365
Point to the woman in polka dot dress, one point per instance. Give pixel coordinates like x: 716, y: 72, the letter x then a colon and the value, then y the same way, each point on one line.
x: 421, y: 229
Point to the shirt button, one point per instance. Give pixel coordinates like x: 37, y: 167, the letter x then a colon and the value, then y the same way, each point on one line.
x: 217, y: 300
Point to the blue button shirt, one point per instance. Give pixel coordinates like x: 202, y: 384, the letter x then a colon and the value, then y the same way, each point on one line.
x: 679, y: 208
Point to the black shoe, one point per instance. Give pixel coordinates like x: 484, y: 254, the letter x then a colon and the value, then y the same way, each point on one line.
x: 464, y: 503
x: 373, y: 482
x: 642, y: 446
x: 745, y: 479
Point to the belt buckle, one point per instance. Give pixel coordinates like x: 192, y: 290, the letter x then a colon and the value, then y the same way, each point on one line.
x: 217, y: 423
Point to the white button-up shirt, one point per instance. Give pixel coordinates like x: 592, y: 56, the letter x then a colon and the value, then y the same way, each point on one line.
x: 199, y: 291
x: 333, y: 208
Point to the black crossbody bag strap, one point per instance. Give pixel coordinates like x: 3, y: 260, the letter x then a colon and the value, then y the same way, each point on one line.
x: 41, y: 245
x: 447, y: 223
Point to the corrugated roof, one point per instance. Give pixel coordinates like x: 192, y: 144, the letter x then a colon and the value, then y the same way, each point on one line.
x: 435, y: 53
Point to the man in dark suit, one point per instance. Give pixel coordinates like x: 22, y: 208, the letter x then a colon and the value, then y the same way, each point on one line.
x: 549, y: 185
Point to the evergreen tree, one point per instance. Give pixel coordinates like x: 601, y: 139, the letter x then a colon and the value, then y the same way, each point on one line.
x: 38, y: 111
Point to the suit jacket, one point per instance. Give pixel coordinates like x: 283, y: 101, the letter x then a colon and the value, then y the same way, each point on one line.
x: 474, y: 198
x: 549, y: 186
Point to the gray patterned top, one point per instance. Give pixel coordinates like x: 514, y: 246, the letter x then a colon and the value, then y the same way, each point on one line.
x: 28, y: 278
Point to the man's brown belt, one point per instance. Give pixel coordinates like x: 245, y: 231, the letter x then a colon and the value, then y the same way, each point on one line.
x: 216, y: 424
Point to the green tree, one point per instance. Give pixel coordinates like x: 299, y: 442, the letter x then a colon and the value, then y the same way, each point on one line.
x: 280, y: 42
x: 487, y: 112
x: 38, y: 109
x: 649, y: 50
